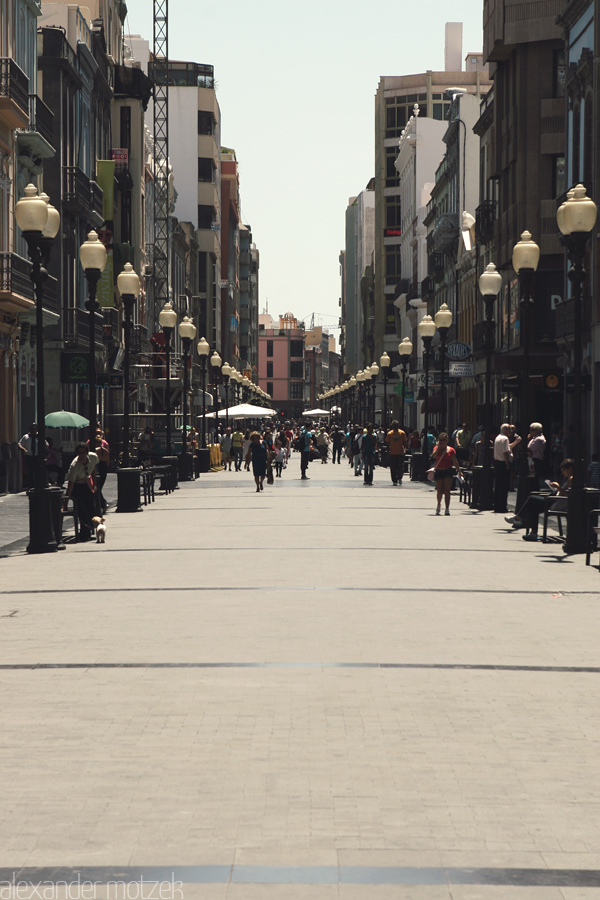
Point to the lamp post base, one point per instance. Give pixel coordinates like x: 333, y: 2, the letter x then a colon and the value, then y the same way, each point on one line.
x: 42, y: 538
x: 577, y: 516
x: 203, y: 454
x: 128, y: 491
x: 173, y: 462
x: 186, y: 471
x: 485, y: 497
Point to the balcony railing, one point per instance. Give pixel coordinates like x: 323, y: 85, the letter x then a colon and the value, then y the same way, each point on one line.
x: 96, y: 195
x: 14, y: 93
x: 41, y: 118
x: 15, y: 279
x: 76, y: 190
x: 444, y: 233
x: 485, y: 216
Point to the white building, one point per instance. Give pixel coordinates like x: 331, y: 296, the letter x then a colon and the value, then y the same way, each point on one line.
x: 357, y: 256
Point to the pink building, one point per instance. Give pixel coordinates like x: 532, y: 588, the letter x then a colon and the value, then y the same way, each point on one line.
x: 281, y: 362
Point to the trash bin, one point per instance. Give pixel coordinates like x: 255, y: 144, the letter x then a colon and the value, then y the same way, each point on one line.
x: 203, y: 455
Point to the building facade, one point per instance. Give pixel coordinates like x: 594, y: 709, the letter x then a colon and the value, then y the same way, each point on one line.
x: 281, y: 362
x: 356, y: 256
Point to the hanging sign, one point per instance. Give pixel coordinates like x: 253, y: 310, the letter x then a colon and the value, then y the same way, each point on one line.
x: 462, y: 369
x: 458, y: 350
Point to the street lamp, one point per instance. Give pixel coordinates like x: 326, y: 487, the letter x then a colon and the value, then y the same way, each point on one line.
x: 384, y: 362
x: 426, y: 331
x: 128, y: 284
x: 128, y: 479
x: 187, y: 333
x: 203, y: 349
x: 92, y: 255
x: 405, y: 349
x: 352, y: 382
x: 39, y: 223
x: 525, y: 259
x: 215, y: 362
x: 167, y: 319
x: 374, y: 372
x: 576, y: 220
x: 443, y: 323
x: 490, y: 285
x: 245, y: 385
x: 226, y: 371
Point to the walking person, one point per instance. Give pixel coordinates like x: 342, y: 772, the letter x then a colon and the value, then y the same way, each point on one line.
x: 368, y: 446
x: 257, y: 454
x: 396, y: 441
x: 237, y: 446
x: 280, y: 458
x: 323, y: 444
x: 81, y: 483
x: 337, y: 441
x: 304, y: 446
x: 226, y: 445
x: 445, y: 462
x: 29, y: 446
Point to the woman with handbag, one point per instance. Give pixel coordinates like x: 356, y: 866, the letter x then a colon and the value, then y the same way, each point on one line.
x: 445, y: 462
x: 257, y: 454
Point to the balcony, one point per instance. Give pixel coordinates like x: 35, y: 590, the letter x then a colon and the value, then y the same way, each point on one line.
x: 16, y: 289
x: 37, y: 138
x: 14, y: 94
x: 132, y: 83
x: 139, y: 339
x: 445, y: 232
x: 565, y: 318
x: 96, y: 197
x: 435, y: 265
x: 76, y: 190
x: 485, y: 216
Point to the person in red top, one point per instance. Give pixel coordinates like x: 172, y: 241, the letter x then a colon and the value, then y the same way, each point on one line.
x: 396, y: 441
x: 445, y: 462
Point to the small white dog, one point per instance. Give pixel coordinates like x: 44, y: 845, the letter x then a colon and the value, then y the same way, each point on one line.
x: 100, y: 527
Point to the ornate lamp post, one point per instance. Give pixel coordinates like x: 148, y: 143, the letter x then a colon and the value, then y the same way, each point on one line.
x: 128, y: 284
x: 187, y: 333
x: 405, y: 349
x: 352, y: 382
x: 384, y: 362
x: 245, y: 387
x: 525, y: 259
x: 92, y: 255
x: 443, y: 323
x: 576, y: 220
x: 203, y: 350
x: 167, y: 319
x: 215, y: 362
x: 226, y: 371
x: 39, y: 223
x: 426, y: 331
x: 374, y: 372
x: 490, y: 285
x: 128, y: 479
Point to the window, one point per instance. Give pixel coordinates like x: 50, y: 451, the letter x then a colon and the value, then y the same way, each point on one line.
x: 205, y: 216
x: 206, y: 123
x: 206, y: 169
x: 296, y: 390
x: 202, y: 279
x: 390, y: 318
x: 269, y: 348
x: 296, y: 368
x: 560, y: 73
x: 270, y: 369
x: 125, y: 130
x: 440, y: 111
x: 392, y: 262
x: 559, y: 176
x: 270, y: 388
x: 296, y: 348
x: 392, y: 176
x: 392, y: 212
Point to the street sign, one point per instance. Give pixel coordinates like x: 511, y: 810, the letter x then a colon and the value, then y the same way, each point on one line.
x: 435, y: 378
x: 462, y: 369
x: 458, y: 350
x: 409, y: 397
x: 74, y: 368
x: 113, y: 381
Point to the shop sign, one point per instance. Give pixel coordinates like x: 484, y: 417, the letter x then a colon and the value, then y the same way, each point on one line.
x: 458, y: 350
x: 462, y: 369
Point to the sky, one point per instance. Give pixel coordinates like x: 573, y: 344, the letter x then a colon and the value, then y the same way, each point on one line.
x: 296, y: 84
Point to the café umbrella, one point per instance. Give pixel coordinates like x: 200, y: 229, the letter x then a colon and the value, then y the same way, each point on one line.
x: 62, y: 418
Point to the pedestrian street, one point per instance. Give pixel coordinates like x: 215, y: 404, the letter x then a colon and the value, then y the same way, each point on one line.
x: 321, y: 690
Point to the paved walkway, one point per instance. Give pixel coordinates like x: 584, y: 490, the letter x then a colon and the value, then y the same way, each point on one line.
x: 321, y: 691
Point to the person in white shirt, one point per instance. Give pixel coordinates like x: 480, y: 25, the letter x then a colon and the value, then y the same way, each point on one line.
x: 502, y: 460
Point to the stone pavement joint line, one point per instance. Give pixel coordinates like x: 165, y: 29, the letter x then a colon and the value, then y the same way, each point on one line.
x: 244, y: 874
x: 593, y: 670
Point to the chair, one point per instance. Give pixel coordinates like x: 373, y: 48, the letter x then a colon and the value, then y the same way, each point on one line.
x: 69, y: 509
x: 559, y: 513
